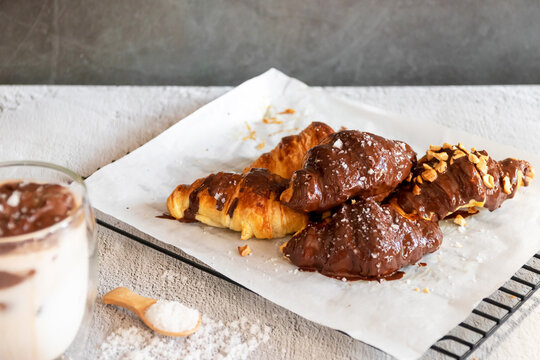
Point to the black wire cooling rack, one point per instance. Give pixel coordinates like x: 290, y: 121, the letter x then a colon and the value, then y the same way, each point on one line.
x: 483, y: 322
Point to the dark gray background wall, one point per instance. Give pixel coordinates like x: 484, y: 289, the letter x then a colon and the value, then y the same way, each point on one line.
x: 322, y: 42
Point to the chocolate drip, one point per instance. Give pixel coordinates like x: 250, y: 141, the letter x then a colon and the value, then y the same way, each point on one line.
x: 223, y: 187
x: 28, y: 207
x: 348, y: 164
x: 220, y: 186
x: 453, y: 178
x: 362, y: 240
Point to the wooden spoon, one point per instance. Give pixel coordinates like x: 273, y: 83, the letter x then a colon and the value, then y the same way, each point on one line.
x: 138, y: 305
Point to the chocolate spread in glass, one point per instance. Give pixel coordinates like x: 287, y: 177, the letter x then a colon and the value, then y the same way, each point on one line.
x: 348, y: 164
x: 26, y: 207
x: 363, y: 240
x: 10, y: 279
x: 225, y: 187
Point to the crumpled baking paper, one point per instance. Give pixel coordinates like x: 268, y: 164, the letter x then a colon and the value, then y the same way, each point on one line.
x: 229, y: 133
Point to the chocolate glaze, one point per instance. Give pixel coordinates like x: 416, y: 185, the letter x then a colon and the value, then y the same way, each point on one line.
x: 362, y: 240
x: 223, y: 186
x: 348, y: 164
x: 28, y: 207
x: 8, y: 280
x: 165, y: 216
x: 460, y: 185
x: 220, y: 186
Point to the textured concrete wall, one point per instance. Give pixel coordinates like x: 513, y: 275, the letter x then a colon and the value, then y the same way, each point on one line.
x: 323, y: 42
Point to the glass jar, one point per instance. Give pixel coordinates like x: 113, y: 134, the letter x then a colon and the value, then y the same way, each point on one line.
x: 47, y: 276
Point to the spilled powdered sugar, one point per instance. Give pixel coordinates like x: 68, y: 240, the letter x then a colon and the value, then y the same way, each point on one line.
x: 213, y: 340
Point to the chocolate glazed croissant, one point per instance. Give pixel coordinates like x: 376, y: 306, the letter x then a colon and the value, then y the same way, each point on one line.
x: 452, y: 178
x: 288, y: 155
x: 362, y: 240
x: 348, y: 164
x: 242, y: 202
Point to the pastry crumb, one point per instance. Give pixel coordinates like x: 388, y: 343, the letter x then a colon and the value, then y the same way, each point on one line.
x: 251, y: 135
x: 244, y: 250
x: 426, y: 290
x: 287, y: 111
x: 416, y: 289
x: 261, y: 145
x: 272, y: 120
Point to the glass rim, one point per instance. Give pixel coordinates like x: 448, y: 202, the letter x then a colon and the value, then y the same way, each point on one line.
x: 56, y: 226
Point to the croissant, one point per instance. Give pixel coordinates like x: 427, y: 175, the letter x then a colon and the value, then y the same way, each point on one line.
x: 362, y: 240
x: 348, y: 164
x: 241, y: 202
x: 288, y: 155
x: 452, y: 178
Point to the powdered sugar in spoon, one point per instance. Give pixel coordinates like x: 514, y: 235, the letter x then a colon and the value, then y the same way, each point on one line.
x: 164, y: 317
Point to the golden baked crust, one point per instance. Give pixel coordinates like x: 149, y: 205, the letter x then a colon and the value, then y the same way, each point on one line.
x: 241, y: 202
x: 288, y: 155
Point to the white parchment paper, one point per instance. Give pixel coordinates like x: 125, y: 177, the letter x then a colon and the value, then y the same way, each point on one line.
x: 229, y: 133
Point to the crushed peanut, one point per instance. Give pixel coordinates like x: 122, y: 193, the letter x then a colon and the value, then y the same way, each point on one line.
x: 473, y: 149
x: 441, y: 167
x: 488, y: 181
x: 482, y: 165
x: 409, y: 178
x: 416, y: 289
x: 244, y: 250
x: 416, y: 190
x: 459, y: 220
x: 429, y: 175
x: 447, y: 146
x: 462, y: 147
x: 430, y: 154
x: 519, y: 178
x: 473, y: 158
x: 434, y: 148
x: 458, y: 154
x: 507, y: 185
x: 442, y: 156
x: 426, y: 290
x: 426, y: 166
x: 419, y: 179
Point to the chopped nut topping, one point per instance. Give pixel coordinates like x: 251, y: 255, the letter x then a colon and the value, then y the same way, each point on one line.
x: 452, y: 161
x: 429, y: 175
x: 474, y: 159
x: 442, y: 156
x: 458, y: 154
x: 244, y: 250
x: 472, y: 210
x: 426, y: 166
x: 434, y: 148
x: 409, y: 178
x: 416, y: 190
x: 416, y: 289
x: 462, y: 147
x: 473, y: 149
x: 482, y: 165
x: 426, y: 290
x: 489, y: 181
x: 507, y: 185
x: 441, y: 167
x: 419, y: 180
x: 459, y: 220
x: 519, y: 179
x: 447, y: 146
x: 430, y: 154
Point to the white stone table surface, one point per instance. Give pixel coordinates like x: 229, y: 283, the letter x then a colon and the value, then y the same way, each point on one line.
x: 85, y: 128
